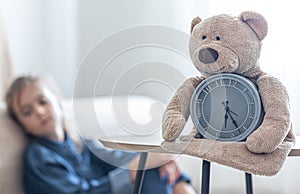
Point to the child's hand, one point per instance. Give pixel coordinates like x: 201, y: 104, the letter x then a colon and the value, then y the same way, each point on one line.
x: 171, y: 171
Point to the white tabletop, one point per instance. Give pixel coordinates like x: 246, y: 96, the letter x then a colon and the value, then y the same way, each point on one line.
x: 133, y: 143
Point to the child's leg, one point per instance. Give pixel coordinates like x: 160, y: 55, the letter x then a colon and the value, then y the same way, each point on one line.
x: 183, y: 186
x: 152, y: 183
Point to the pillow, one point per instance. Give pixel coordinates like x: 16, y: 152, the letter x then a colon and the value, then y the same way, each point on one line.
x: 12, y: 144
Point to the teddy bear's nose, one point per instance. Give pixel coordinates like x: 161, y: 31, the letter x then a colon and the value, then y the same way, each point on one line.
x: 208, y: 55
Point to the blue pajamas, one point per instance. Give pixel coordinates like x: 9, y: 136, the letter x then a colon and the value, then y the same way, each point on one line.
x: 56, y: 167
x: 154, y: 184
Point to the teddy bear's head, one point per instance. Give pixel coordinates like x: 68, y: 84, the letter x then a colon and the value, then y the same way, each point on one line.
x: 224, y: 43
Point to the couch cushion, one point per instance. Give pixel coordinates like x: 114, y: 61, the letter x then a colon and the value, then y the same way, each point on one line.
x: 116, y: 115
x: 12, y: 143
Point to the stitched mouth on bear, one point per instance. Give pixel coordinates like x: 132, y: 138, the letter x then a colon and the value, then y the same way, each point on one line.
x: 208, y: 55
x: 212, y: 71
x: 221, y: 69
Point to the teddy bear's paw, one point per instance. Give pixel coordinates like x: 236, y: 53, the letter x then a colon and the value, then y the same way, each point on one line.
x: 260, y: 144
x: 268, y: 136
x: 173, y: 124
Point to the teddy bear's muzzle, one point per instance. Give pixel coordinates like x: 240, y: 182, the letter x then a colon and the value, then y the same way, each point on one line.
x: 208, y: 55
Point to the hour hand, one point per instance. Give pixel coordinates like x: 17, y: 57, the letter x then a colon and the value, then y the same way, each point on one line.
x: 230, y: 111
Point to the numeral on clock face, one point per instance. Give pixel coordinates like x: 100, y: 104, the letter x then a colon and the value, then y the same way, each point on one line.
x: 199, y: 115
x: 232, y: 83
x: 207, y: 89
x: 220, y: 82
x: 200, y: 101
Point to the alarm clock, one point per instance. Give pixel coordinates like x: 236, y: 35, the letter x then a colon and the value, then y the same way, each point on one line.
x: 226, y: 107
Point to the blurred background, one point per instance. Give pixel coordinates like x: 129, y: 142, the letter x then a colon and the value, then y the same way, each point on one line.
x: 55, y: 37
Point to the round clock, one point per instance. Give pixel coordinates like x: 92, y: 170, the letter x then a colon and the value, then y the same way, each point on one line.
x: 226, y: 107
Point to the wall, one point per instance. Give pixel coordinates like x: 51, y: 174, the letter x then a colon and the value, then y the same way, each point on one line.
x: 127, y: 46
x: 42, y: 38
x: 53, y: 37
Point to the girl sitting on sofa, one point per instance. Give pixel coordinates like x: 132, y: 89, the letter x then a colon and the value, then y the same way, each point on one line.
x: 55, y: 161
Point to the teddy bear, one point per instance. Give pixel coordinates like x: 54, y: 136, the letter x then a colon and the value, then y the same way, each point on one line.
x: 230, y: 44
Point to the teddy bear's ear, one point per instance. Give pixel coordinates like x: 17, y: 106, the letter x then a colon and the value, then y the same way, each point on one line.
x: 256, y: 22
x: 195, y: 21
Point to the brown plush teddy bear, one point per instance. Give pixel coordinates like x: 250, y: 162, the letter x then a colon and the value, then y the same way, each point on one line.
x: 233, y: 45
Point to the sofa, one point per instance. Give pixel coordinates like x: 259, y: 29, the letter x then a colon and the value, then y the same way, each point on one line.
x: 12, y: 142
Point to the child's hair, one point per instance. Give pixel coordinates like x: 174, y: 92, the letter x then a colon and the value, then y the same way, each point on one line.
x: 14, y: 92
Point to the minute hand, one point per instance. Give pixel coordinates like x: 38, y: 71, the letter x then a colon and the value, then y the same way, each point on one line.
x: 225, y: 118
x: 232, y: 119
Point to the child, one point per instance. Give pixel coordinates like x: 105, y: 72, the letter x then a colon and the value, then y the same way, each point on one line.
x: 56, y: 162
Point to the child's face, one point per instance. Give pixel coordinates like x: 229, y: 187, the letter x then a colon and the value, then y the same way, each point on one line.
x: 38, y: 110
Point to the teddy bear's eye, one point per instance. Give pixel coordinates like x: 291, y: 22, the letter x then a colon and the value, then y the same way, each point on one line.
x: 218, y: 38
x: 203, y: 37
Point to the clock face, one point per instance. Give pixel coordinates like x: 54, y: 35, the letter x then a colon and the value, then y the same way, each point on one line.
x: 226, y: 107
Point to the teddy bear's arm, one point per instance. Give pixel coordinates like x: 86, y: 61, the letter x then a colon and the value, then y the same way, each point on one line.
x: 276, y: 123
x: 177, y: 111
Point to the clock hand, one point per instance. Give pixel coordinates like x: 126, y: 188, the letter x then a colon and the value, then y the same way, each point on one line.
x: 226, y: 117
x: 235, y: 124
x: 228, y: 112
x: 232, y: 112
x: 233, y: 121
x: 226, y: 108
x: 225, y: 104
